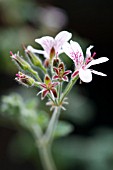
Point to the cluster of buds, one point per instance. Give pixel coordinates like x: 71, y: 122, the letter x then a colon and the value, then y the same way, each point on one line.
x: 53, y: 68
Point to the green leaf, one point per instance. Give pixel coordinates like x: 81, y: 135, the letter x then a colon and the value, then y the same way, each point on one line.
x: 63, y: 128
x: 42, y: 119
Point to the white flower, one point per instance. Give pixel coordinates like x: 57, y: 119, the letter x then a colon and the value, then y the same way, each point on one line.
x: 52, y: 46
x: 74, y: 51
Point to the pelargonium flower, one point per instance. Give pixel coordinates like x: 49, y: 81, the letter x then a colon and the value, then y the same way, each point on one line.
x: 74, y: 51
x: 48, y: 87
x: 52, y: 46
x: 61, y: 74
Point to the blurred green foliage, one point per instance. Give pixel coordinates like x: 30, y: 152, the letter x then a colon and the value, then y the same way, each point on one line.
x: 27, y: 114
x: 75, y: 151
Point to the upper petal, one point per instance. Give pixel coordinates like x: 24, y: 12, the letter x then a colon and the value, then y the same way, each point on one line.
x: 88, y: 52
x: 68, y: 50
x: 78, y: 54
x: 46, y: 42
x: 61, y: 38
x: 97, y: 61
x: 85, y: 75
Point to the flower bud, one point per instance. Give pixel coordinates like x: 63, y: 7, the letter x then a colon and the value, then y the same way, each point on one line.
x: 24, y: 65
x: 20, y: 61
x: 47, y: 79
x: 34, y: 59
x: 24, y: 79
x: 52, y: 53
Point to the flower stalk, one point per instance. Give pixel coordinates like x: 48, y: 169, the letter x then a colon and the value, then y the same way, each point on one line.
x: 52, y: 125
x: 68, y: 88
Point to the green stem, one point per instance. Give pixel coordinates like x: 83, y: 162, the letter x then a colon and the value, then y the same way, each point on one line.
x: 52, y: 125
x: 60, y: 91
x: 46, y: 157
x: 44, y: 148
x: 35, y: 75
x: 68, y: 88
x: 43, y: 142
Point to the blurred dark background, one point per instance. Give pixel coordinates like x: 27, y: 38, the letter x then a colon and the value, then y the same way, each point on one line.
x: 91, y: 22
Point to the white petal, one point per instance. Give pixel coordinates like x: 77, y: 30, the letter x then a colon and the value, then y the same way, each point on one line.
x: 98, y: 73
x: 68, y: 50
x: 78, y: 57
x: 61, y: 38
x: 97, y: 61
x: 76, y: 47
x: 85, y: 75
x: 33, y: 50
x: 88, y: 52
x: 46, y: 42
x: 39, y: 92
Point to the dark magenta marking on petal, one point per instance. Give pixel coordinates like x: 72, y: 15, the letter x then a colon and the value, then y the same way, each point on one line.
x: 54, y: 92
x: 75, y: 73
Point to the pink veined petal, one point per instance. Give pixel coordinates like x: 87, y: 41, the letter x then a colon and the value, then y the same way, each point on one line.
x: 65, y: 78
x: 78, y: 56
x: 33, y: 50
x: 55, y: 77
x: 44, y: 94
x: 61, y: 38
x: 67, y: 72
x: 88, y: 52
x: 98, y: 73
x: 46, y: 42
x: 68, y: 50
x: 85, y: 75
x: 97, y: 61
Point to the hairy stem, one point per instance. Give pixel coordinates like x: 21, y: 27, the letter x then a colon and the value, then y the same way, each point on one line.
x: 46, y: 157
x: 52, y: 125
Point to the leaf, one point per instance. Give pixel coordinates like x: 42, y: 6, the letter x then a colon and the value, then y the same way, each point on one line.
x: 42, y: 119
x: 63, y: 128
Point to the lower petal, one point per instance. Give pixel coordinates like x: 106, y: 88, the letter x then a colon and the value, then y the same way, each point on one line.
x: 98, y: 73
x: 85, y: 75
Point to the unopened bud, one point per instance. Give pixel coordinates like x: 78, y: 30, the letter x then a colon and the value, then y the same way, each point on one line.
x: 46, y: 63
x: 24, y: 65
x: 34, y: 59
x: 24, y: 79
x: 47, y: 79
x: 20, y: 61
x: 52, y: 53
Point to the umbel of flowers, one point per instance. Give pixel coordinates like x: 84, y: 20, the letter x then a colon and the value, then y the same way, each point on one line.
x: 49, y: 75
x: 53, y: 68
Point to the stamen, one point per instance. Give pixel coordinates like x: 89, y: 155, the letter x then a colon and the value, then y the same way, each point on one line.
x: 93, y: 54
